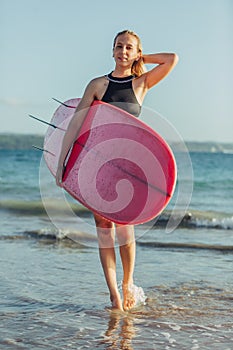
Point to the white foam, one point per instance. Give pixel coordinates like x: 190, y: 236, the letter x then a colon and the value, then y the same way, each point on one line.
x: 168, y: 337
x: 138, y: 293
x: 224, y: 223
x: 175, y: 327
x: 195, y: 347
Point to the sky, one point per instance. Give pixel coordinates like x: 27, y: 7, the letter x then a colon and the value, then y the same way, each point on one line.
x: 53, y: 48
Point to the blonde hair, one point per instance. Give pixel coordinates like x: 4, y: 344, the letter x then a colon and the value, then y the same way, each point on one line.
x: 138, y: 67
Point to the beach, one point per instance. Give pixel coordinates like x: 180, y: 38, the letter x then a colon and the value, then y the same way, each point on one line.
x: 53, y: 293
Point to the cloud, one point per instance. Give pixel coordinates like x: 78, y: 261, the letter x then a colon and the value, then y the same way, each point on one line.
x: 13, y: 101
x: 20, y: 102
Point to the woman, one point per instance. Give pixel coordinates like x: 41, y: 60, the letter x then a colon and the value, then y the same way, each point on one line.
x: 126, y: 87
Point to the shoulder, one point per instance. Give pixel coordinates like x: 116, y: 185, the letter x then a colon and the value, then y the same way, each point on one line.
x: 94, y: 89
x: 98, y: 81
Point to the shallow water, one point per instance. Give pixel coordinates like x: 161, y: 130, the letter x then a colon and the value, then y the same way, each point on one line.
x: 53, y: 294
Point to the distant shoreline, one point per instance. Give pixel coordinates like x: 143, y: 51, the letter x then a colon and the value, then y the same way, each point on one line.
x: 24, y: 142
x: 20, y: 141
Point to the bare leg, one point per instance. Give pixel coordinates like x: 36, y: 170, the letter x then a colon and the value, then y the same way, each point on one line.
x: 126, y: 240
x: 105, y: 232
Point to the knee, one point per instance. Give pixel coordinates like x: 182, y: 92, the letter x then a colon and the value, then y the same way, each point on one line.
x: 102, y: 222
x: 125, y: 235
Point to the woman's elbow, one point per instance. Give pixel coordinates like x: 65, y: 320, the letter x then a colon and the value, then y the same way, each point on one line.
x: 174, y: 58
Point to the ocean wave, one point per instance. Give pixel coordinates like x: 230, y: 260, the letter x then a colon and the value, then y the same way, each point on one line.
x: 199, y: 219
x: 79, y: 239
x: 214, y: 185
x: 192, y: 219
x: 66, y: 237
x: 36, y: 208
x: 181, y: 245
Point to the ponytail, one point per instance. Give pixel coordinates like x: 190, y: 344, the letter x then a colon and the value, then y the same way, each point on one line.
x: 138, y: 68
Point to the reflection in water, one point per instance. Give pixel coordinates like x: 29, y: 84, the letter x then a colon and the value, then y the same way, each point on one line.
x: 120, y: 331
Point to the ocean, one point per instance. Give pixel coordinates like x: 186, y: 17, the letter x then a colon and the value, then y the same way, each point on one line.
x: 53, y: 294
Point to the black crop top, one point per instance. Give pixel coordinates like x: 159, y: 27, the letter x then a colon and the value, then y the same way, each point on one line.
x: 120, y: 94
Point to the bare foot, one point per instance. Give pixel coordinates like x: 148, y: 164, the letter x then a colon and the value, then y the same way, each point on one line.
x: 129, y: 299
x: 116, y: 302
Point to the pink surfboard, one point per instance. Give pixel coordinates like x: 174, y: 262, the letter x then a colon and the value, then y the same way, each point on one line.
x: 118, y: 167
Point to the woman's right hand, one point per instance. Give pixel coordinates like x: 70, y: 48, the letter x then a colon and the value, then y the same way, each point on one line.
x: 59, y: 175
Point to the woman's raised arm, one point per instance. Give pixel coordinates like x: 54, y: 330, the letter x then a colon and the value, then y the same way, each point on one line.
x: 165, y: 63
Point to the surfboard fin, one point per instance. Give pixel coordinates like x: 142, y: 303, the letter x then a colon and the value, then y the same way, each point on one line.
x: 43, y: 121
x: 62, y: 103
x: 43, y: 150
